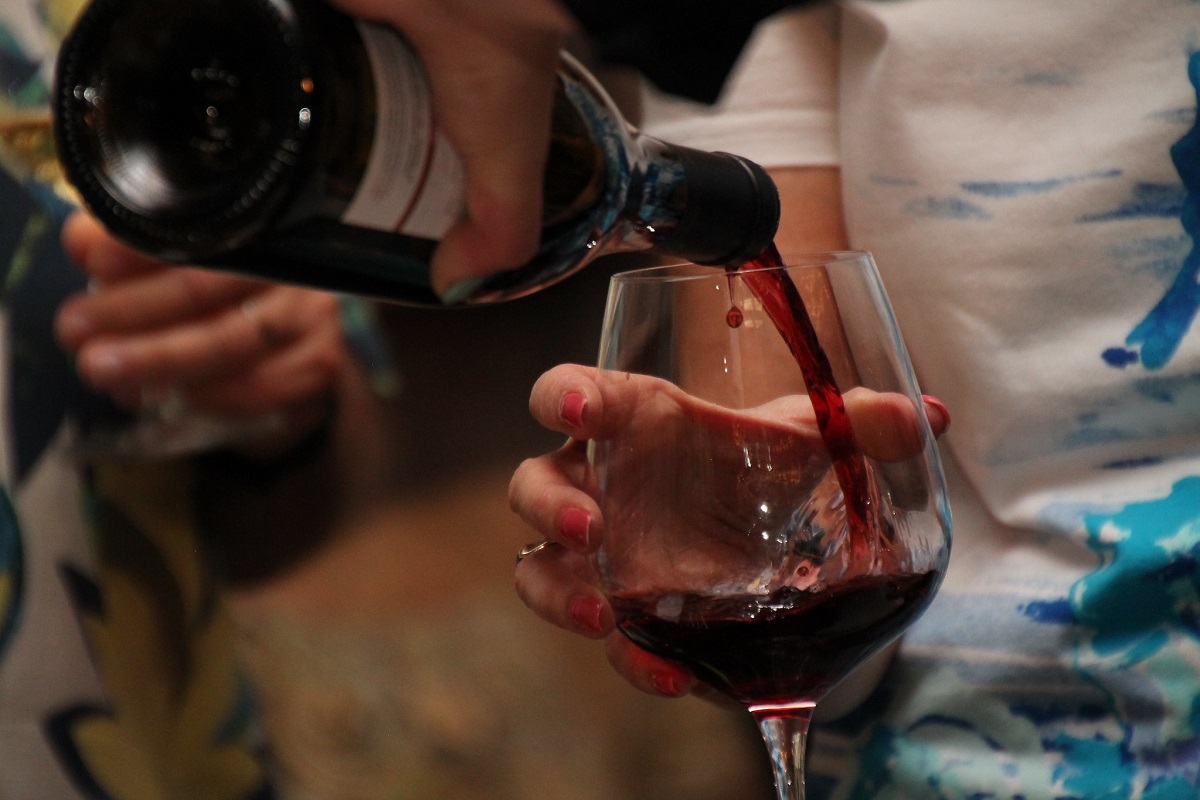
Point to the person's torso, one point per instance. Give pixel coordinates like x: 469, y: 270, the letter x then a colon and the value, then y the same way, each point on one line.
x: 1026, y: 175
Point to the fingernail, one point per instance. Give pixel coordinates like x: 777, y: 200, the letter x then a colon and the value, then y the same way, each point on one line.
x: 575, y: 524
x: 72, y: 326
x: 587, y: 613
x: 933, y: 407
x: 102, y: 365
x: 460, y: 291
x: 571, y: 411
x: 670, y: 684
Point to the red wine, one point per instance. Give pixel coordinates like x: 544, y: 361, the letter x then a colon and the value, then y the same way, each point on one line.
x: 734, y: 317
x: 784, y: 305
x: 792, y: 645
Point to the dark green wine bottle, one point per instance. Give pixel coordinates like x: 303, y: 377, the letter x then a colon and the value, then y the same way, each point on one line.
x: 286, y: 140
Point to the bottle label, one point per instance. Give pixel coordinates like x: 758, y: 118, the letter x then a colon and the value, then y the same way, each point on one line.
x: 413, y: 183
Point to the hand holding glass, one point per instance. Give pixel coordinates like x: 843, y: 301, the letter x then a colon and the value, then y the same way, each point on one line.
x: 166, y: 423
x: 769, y: 527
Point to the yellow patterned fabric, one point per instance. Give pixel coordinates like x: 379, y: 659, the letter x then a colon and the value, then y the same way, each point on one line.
x: 118, y: 678
x: 176, y: 723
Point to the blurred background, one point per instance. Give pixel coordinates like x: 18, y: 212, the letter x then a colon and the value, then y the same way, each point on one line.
x: 386, y: 651
x: 395, y: 659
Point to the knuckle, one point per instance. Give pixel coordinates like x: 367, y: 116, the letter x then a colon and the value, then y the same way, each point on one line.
x: 517, y: 485
x: 195, y: 286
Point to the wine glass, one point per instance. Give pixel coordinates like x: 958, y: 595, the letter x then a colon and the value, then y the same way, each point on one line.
x: 166, y: 425
x: 774, y: 506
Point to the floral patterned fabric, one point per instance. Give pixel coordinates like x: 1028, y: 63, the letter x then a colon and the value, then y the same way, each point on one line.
x: 117, y: 670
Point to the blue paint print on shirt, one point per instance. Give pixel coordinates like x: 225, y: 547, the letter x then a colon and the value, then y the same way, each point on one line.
x: 1137, y: 608
x: 1156, y: 338
x: 1150, y: 572
x: 1155, y: 257
x: 1130, y: 624
x: 1154, y: 200
x: 1019, y: 188
x: 946, y: 208
x: 1046, y: 77
x: 1133, y: 463
x: 1058, y: 612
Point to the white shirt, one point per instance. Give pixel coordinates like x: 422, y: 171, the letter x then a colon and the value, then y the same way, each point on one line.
x: 1009, y: 163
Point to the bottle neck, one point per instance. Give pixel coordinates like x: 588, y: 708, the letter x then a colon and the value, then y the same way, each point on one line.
x: 715, y: 209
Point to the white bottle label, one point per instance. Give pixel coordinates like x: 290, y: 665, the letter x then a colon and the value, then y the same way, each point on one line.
x: 413, y: 183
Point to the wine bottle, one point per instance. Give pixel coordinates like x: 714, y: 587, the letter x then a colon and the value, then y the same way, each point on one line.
x: 284, y: 139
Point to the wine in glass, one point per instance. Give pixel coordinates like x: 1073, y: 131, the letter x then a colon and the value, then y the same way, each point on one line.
x: 774, y: 506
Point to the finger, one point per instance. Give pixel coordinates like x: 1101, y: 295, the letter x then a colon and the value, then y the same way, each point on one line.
x: 888, y: 425
x: 209, y: 348
x: 585, y: 403
x: 546, y: 493
x: 164, y: 296
x: 503, y: 177
x: 485, y: 61
x: 284, y: 314
x: 302, y: 373
x: 551, y: 583
x: 647, y: 671
x: 98, y: 253
x: 937, y: 414
x: 565, y: 398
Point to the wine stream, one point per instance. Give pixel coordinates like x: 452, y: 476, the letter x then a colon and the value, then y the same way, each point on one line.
x: 784, y: 305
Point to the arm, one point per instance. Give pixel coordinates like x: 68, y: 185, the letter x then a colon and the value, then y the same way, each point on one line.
x: 811, y: 202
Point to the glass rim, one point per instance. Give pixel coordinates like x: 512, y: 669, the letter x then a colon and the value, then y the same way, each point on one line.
x: 687, y: 270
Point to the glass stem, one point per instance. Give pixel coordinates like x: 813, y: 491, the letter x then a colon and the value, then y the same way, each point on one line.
x: 785, y: 731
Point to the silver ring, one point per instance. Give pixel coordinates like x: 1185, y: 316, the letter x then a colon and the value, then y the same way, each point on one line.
x: 530, y: 549
x: 268, y: 333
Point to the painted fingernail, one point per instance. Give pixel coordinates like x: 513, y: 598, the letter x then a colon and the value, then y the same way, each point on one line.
x: 587, y: 612
x: 933, y: 407
x: 459, y: 291
x: 572, y: 408
x: 575, y: 524
x: 102, y: 366
x: 72, y: 325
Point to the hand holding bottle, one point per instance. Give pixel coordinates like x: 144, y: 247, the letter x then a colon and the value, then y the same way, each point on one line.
x: 492, y: 68
x: 229, y: 346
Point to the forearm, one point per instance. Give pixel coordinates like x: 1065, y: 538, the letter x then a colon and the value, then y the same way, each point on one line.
x: 811, y: 218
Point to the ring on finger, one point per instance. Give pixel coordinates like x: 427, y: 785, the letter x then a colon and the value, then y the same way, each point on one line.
x: 530, y: 549
x: 268, y: 333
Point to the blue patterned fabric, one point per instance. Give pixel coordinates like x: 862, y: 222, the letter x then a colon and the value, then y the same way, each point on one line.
x: 1032, y: 203
x: 118, y: 677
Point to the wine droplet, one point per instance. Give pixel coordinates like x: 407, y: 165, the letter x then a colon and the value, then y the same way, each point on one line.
x: 734, y: 318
